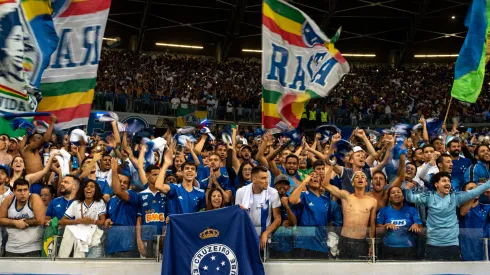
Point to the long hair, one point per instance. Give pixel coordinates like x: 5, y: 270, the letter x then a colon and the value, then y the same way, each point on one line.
x: 241, y: 180
x: 81, y: 192
x: 209, y: 205
x: 24, y: 173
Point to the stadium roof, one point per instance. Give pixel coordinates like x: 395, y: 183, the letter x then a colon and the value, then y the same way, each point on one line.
x: 383, y: 27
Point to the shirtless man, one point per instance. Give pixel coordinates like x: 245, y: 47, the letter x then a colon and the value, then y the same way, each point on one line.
x: 379, y: 192
x: 5, y: 158
x: 30, y: 153
x: 359, y: 211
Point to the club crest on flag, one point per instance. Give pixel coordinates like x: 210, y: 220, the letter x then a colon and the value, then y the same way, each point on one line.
x: 214, y: 259
x: 209, y: 233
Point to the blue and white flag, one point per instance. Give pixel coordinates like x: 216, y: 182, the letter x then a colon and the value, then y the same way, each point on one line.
x: 222, y: 241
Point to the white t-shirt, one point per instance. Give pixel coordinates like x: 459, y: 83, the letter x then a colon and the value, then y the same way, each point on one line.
x: 212, y: 103
x: 183, y: 102
x: 93, y: 211
x: 254, y: 211
x: 175, y: 102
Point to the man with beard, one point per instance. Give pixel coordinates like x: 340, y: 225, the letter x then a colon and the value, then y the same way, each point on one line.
x: 214, y: 175
x: 291, y: 171
x: 418, y: 157
x: 359, y: 213
x: 479, y: 172
x: 246, y: 153
x: 315, y: 210
x: 358, y: 161
x: 282, y: 241
x: 442, y: 222
x: 379, y: 182
x: 68, y: 189
x: 460, y: 164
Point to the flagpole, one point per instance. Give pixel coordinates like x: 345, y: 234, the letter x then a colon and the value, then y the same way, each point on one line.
x: 447, y: 112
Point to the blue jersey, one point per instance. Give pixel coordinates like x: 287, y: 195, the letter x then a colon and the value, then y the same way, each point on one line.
x: 477, y: 172
x: 57, y: 207
x: 315, y: 213
x: 121, y: 236
x: 471, y: 230
x: 223, y: 181
x: 204, y: 173
x: 181, y: 201
x: 283, y: 238
x: 104, y: 186
x: 152, y: 208
x: 460, y: 166
x: 404, y: 219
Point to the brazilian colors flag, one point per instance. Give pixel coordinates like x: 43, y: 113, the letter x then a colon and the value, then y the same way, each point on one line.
x: 474, y: 54
x: 48, y: 239
x: 188, y: 117
x: 299, y: 62
x: 222, y: 241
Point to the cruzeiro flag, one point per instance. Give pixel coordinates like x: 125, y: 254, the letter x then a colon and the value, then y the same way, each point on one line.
x: 222, y: 241
x: 27, y: 40
x: 298, y: 63
x: 67, y: 86
x: 187, y: 117
x: 474, y: 54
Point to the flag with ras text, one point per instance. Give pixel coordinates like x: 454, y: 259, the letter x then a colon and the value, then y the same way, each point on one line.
x: 68, y: 84
x: 222, y: 241
x: 299, y: 63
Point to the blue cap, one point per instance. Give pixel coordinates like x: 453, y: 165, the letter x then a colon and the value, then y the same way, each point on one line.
x: 5, y: 168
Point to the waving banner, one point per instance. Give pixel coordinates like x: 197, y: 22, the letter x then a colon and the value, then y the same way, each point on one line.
x: 299, y: 63
x: 67, y: 86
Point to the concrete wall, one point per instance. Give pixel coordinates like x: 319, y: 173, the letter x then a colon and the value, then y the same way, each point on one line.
x: 130, y: 267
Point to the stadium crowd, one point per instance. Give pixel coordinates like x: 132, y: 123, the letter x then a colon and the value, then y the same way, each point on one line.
x: 163, y: 83
x: 316, y: 197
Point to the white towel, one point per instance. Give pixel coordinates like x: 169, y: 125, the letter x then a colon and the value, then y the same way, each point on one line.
x: 248, y: 197
x: 64, y: 161
x: 77, y: 135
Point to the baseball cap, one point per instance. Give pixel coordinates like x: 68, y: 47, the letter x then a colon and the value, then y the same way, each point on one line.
x: 5, y: 168
x: 281, y: 178
x: 357, y: 149
x: 246, y: 147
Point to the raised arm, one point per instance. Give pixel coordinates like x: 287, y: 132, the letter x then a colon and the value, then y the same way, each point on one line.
x: 425, y: 133
x: 200, y: 145
x: 295, y: 197
x: 190, y: 147
x: 266, y: 139
x: 116, y: 184
x: 383, y: 163
x: 141, y: 164
x: 400, y: 177
x: 46, y: 137
x: 463, y: 197
x: 117, y: 135
x: 421, y: 198
x: 167, y: 161
x: 362, y: 136
x: 332, y: 189
x: 35, y: 177
x: 91, y: 165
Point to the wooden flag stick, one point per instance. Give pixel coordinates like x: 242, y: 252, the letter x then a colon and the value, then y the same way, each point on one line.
x: 447, y: 112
